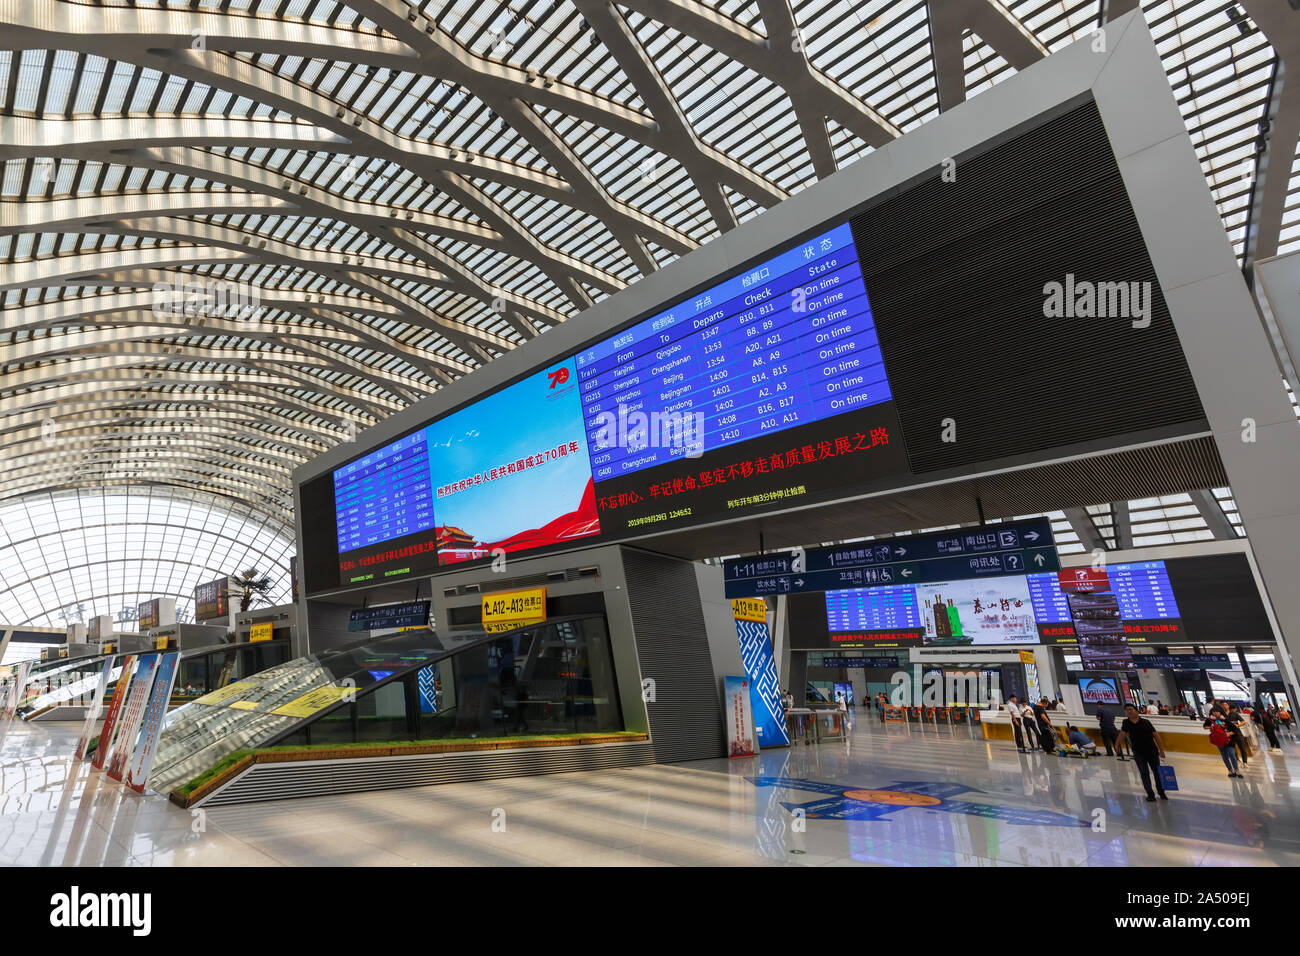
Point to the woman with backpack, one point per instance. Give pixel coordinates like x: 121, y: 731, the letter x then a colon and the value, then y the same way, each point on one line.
x: 1222, y: 739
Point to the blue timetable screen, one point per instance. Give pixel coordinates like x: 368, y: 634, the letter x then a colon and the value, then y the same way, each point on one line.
x: 1143, y: 591
x: 384, y: 495
x: 872, y: 609
x: 789, y: 342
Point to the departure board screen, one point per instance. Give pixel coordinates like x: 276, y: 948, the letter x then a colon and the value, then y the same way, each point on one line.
x: 872, y: 609
x: 1050, y: 604
x: 790, y: 341
x: 384, y: 495
x: 981, y: 611
x: 763, y: 390
x: 1142, y: 590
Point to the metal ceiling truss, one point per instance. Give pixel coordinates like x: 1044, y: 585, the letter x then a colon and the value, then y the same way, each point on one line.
x: 407, y: 197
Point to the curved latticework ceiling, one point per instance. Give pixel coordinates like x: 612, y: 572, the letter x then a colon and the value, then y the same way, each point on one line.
x: 68, y: 556
x: 233, y: 232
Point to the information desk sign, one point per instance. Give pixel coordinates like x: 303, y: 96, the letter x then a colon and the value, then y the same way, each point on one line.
x: 389, y: 616
x: 994, y: 551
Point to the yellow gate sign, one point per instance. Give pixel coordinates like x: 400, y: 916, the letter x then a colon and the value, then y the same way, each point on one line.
x: 506, y: 610
x: 1026, y: 657
x: 314, y: 701
x: 261, y: 632
x: 749, y: 609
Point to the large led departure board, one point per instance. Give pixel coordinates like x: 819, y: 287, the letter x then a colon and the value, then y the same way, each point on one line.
x: 765, y: 389
x: 825, y: 364
x: 1000, y: 610
x: 1143, y: 591
x: 788, y: 342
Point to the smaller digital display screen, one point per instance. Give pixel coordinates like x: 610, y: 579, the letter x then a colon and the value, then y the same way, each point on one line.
x: 1050, y: 604
x: 1141, y: 590
x: 384, y: 495
x: 872, y: 609
x: 984, y: 611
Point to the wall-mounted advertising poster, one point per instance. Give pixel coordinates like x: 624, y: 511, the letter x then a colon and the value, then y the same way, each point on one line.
x: 1098, y: 690
x: 212, y: 600
x: 511, y: 472
x: 147, y: 614
x: 738, y: 715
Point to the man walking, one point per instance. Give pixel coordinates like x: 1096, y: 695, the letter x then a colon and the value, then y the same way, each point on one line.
x: 1013, y: 709
x: 1106, y: 722
x: 1046, y: 732
x: 1148, y: 749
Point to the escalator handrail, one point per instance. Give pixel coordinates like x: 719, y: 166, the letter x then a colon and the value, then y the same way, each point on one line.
x: 487, y: 637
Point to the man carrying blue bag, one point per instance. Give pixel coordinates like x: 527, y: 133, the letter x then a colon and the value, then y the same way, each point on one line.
x: 1148, y: 750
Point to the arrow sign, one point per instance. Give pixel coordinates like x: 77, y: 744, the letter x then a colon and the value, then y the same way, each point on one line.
x: 961, y: 554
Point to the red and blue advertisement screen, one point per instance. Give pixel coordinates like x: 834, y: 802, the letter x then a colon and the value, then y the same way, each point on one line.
x: 767, y: 388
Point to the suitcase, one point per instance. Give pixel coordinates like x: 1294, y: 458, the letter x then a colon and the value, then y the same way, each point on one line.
x: 1168, y: 779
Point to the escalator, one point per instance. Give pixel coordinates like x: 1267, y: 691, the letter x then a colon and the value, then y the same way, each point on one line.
x: 60, y: 692
x: 549, y: 679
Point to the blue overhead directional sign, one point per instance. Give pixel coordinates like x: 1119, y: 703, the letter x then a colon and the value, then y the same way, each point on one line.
x: 389, y: 616
x: 993, y: 550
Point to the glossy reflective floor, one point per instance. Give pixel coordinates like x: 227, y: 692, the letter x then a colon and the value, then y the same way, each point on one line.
x: 896, y: 796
